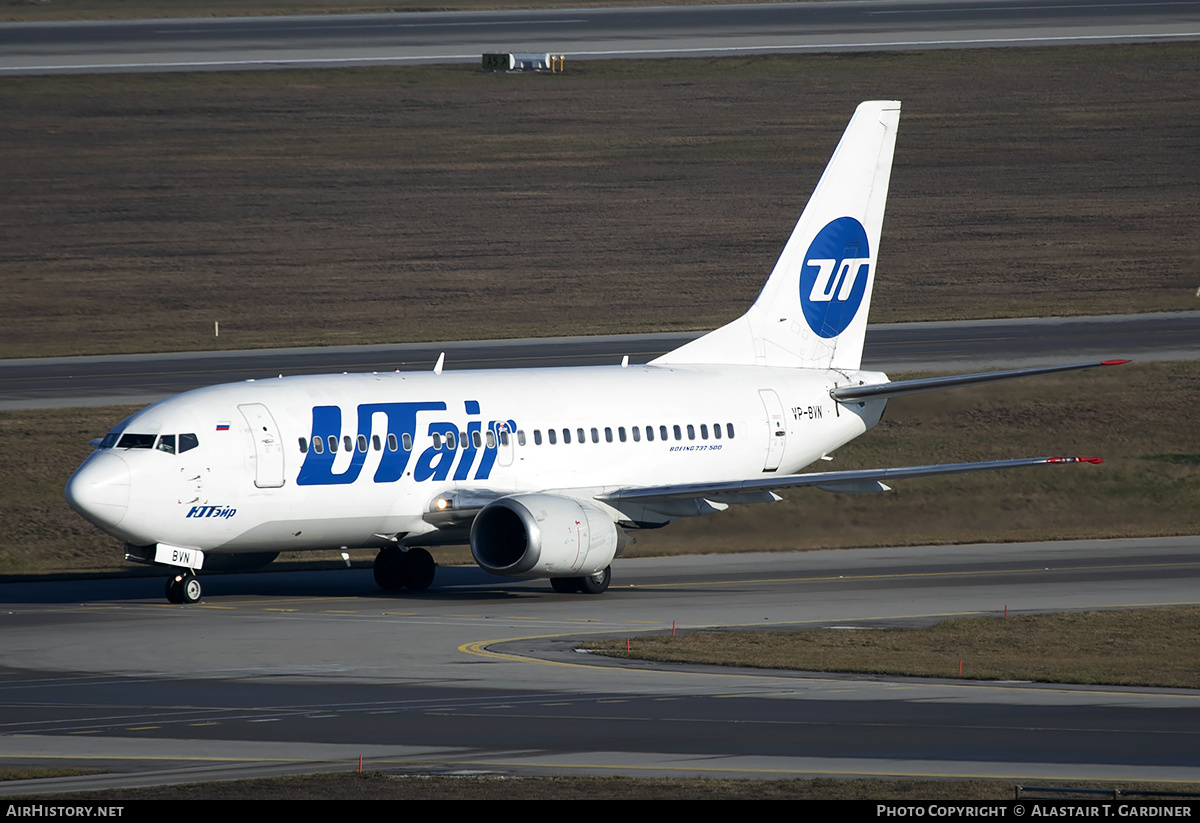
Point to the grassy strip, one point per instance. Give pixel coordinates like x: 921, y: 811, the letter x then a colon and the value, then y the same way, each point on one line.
x: 41, y: 774
x: 380, y: 786
x: 1146, y: 647
x: 1133, y: 416
x: 377, y: 205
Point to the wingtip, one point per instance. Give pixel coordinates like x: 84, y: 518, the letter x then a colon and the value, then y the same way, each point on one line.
x: 1075, y: 460
x: 1113, y: 362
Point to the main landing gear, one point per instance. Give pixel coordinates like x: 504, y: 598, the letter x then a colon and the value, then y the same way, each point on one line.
x: 592, y: 584
x: 397, y: 568
x: 184, y: 587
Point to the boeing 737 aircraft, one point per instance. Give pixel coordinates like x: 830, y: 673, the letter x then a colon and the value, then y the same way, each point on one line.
x: 542, y: 471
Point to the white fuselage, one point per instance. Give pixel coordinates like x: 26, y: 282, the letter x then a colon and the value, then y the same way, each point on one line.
x: 256, y: 482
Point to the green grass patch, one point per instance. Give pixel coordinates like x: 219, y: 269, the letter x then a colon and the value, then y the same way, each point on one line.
x: 1146, y: 647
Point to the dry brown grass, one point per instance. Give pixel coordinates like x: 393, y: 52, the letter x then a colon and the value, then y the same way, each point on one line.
x: 1146, y: 647
x: 1136, y: 416
x: 379, y: 786
x: 385, y: 204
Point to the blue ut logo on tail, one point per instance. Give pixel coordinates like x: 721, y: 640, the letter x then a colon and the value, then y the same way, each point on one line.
x: 834, y: 279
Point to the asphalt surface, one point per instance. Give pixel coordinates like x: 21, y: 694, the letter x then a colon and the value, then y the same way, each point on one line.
x: 661, y: 31
x: 959, y: 346
x: 297, y: 672
x: 305, y: 671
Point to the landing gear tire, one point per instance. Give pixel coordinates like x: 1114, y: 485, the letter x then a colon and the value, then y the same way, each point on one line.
x: 565, y: 585
x: 184, y: 588
x: 191, y: 589
x: 421, y: 570
x: 596, y: 583
x: 391, y: 569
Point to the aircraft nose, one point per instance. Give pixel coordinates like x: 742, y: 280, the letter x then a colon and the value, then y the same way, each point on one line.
x: 99, y: 489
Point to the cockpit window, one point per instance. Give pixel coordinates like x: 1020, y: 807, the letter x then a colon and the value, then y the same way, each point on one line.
x: 166, y: 443
x: 136, y: 441
x: 114, y: 434
x: 187, y: 442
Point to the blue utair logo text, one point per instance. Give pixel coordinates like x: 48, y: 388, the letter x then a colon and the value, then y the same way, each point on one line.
x: 434, y: 463
x: 211, y: 511
x: 835, y: 274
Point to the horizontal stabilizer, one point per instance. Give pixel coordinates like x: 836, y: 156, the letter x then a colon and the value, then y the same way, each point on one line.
x: 902, y: 387
x: 856, y: 480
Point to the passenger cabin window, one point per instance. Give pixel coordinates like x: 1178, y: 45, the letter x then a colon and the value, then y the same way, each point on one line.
x: 552, y: 435
x: 582, y: 438
x: 729, y: 430
x: 491, y: 439
x: 378, y: 446
x: 437, y: 440
x: 303, y: 446
x: 703, y: 431
x: 406, y: 440
x: 566, y: 435
x: 332, y: 444
x: 348, y: 443
x: 318, y: 445
x: 691, y: 432
x: 717, y: 430
x: 362, y: 443
x: 537, y: 437
x: 520, y: 437
x: 621, y: 433
x: 504, y: 437
x: 678, y: 433
x: 662, y: 432
x: 477, y: 439
x: 649, y: 433
x: 450, y: 441
x: 637, y: 434
x: 166, y: 443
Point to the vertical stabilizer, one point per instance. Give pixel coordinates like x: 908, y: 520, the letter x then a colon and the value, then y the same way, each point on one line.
x: 812, y: 313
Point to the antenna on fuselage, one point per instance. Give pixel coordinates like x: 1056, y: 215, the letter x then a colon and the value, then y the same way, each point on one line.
x: 437, y: 369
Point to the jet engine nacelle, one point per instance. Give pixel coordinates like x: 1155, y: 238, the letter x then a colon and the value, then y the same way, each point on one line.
x: 544, y: 535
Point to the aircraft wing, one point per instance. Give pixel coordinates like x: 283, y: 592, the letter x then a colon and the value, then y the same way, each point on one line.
x: 901, y: 387
x: 857, y: 481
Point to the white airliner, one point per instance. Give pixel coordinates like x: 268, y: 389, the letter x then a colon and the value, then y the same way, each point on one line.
x: 542, y: 471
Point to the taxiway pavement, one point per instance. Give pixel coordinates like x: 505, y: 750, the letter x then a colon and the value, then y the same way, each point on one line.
x: 304, y: 671
x: 901, y: 347
x: 596, y: 33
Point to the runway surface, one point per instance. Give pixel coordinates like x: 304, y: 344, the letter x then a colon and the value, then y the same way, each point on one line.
x: 659, y: 31
x: 305, y: 671
x: 959, y: 346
